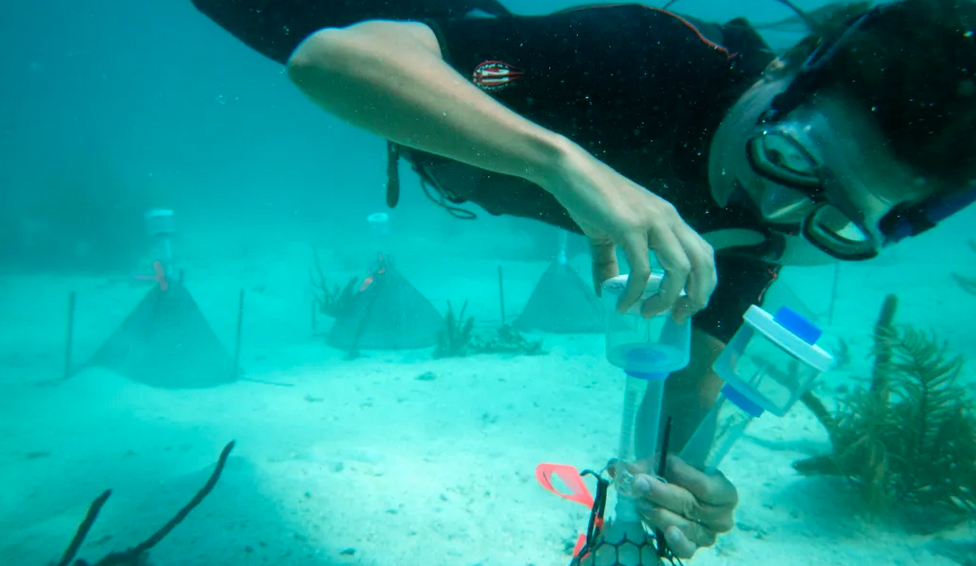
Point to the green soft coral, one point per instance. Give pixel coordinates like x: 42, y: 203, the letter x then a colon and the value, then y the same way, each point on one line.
x: 910, y: 437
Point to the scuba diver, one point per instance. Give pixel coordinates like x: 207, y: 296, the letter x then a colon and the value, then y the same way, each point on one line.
x: 657, y: 133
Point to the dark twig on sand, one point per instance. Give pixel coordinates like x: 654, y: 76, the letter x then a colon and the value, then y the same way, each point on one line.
x: 967, y: 284
x: 136, y: 556
x: 83, y: 528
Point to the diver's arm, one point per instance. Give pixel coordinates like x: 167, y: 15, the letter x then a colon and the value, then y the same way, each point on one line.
x: 390, y: 79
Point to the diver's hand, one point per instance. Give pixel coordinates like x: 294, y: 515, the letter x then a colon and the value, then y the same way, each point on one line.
x: 691, y: 508
x: 614, y: 211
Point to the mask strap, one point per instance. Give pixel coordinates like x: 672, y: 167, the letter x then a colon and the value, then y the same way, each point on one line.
x: 915, y: 220
x: 762, y: 244
x: 810, y: 71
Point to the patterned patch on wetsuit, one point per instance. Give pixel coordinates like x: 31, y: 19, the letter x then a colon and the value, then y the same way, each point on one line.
x: 495, y: 75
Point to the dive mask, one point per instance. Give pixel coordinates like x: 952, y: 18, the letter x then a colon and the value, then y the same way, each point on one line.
x: 809, y: 181
x: 804, y: 187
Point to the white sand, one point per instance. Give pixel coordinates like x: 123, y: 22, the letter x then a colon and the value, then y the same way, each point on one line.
x: 359, y: 462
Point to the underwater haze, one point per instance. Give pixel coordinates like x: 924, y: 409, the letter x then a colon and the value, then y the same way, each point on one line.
x: 192, y: 254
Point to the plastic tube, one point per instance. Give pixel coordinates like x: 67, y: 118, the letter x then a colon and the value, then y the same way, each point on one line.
x: 652, y: 387
x: 725, y: 423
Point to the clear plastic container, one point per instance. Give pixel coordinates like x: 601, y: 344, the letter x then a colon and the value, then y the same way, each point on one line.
x: 725, y: 423
x: 773, y: 359
x: 769, y: 363
x: 159, y: 222
x: 160, y: 226
x: 379, y: 225
x: 640, y: 345
x: 648, y: 350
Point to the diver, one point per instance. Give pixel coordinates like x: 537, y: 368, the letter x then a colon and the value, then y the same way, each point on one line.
x: 658, y: 133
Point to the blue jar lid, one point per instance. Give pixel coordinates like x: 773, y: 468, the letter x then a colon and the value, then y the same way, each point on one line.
x: 798, y: 325
x: 739, y: 400
x: 648, y: 375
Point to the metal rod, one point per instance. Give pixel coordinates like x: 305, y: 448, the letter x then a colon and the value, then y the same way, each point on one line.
x: 501, y: 294
x: 237, y: 342
x: 833, y: 293
x: 69, y: 342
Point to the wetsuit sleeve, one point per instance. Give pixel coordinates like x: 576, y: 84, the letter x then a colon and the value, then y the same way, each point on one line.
x: 593, y: 63
x: 274, y: 28
x: 613, y: 71
x: 742, y: 282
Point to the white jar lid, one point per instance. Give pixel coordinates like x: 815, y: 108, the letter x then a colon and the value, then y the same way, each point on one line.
x: 158, y: 213
x: 615, y: 286
x: 810, y: 354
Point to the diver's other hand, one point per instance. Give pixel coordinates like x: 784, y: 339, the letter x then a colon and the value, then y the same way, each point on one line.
x: 614, y: 211
x: 692, y: 508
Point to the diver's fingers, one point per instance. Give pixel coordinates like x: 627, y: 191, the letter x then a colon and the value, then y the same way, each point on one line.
x: 636, y: 251
x: 703, y: 277
x: 604, y: 256
x: 664, y: 519
x: 671, y: 496
x: 714, y: 488
x: 679, y: 544
x: 673, y: 258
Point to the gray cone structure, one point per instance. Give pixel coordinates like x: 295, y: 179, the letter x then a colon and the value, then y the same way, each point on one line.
x: 562, y: 303
x: 386, y: 313
x: 166, y: 342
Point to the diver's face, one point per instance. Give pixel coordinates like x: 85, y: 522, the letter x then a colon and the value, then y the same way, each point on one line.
x: 824, y: 151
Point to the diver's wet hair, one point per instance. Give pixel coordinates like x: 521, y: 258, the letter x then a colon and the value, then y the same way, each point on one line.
x: 912, y: 64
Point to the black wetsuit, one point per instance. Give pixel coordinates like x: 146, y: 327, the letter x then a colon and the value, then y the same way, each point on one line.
x: 642, y: 89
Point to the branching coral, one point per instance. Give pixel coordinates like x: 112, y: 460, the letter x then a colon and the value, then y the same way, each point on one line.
x: 454, y: 339
x: 458, y: 338
x: 330, y: 300
x: 910, y: 437
x: 507, y: 340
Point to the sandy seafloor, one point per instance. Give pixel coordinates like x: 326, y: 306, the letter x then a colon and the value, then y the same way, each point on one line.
x: 360, y: 462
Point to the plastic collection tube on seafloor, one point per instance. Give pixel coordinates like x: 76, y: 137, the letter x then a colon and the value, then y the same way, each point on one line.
x: 648, y: 350
x: 767, y: 366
